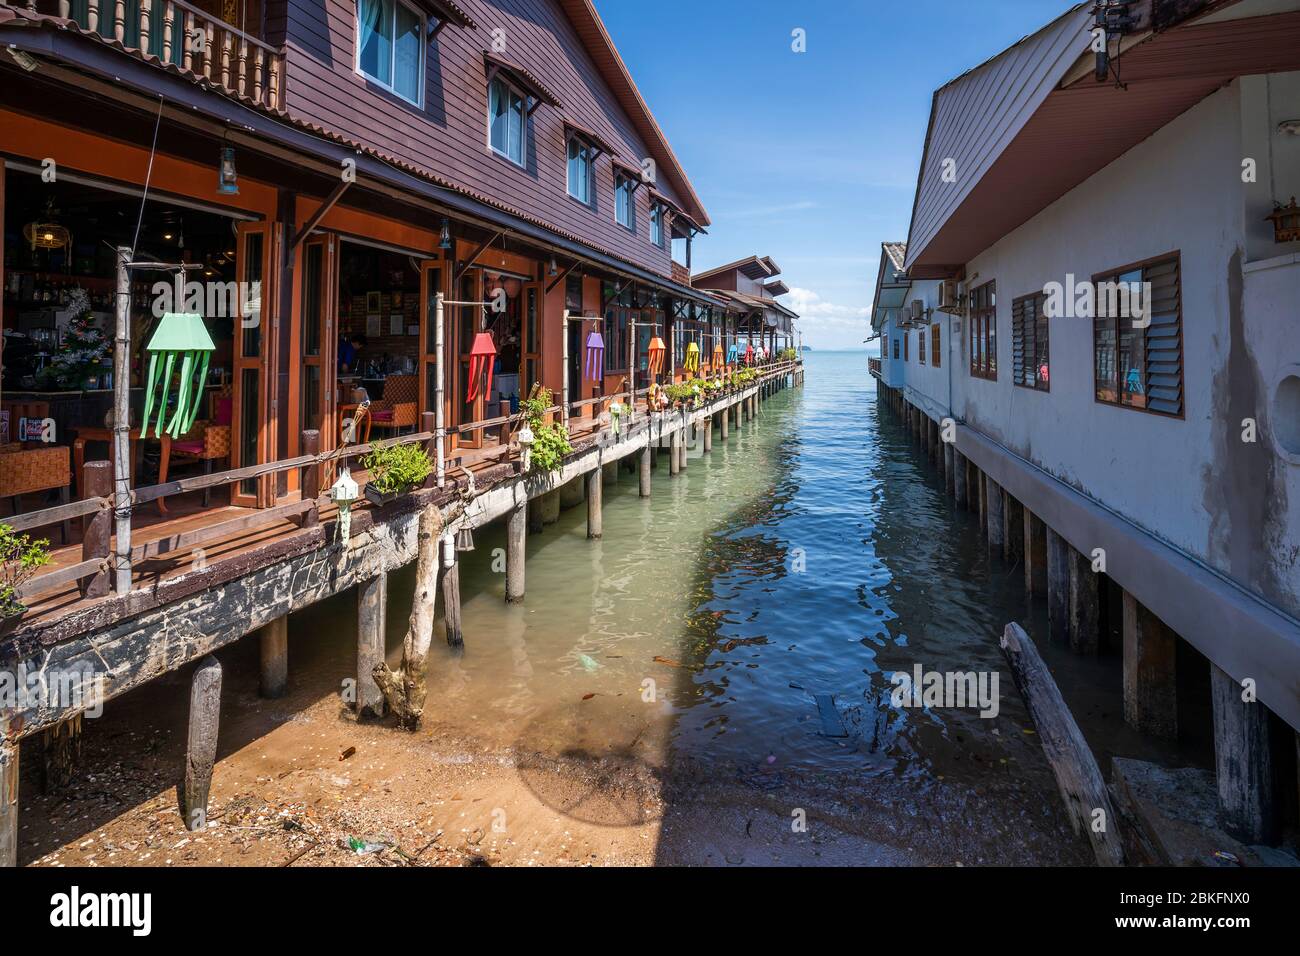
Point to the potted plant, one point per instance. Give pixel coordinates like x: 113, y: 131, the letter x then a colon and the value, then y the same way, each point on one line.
x: 550, y: 439
x: 20, y: 558
x: 394, y: 471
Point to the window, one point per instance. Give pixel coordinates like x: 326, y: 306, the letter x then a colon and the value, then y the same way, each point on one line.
x: 896, y: 348
x: 1029, y: 352
x: 507, y: 120
x: 390, y: 46
x: 984, y: 332
x: 1137, y: 337
x: 573, y: 294
x: 920, y: 346
x: 935, y: 357
x: 624, y: 201
x: 657, y: 224
x: 906, y: 338
x: 580, y: 162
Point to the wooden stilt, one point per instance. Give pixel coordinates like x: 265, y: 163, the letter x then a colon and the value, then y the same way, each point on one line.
x: 595, y: 503
x: 674, y: 459
x: 1058, y: 587
x: 201, y: 748
x: 1034, y: 549
x: 683, y: 447
x: 1150, y: 675
x: 451, y: 604
x: 1013, y: 529
x: 959, y: 470
x: 707, y: 425
x: 995, y: 508
x: 1243, y: 760
x: 61, y: 754
x: 948, y: 452
x: 723, y: 426
x: 1085, y: 605
x: 646, y: 467
x: 516, y: 543
x: 8, y: 803
x: 372, y: 618
x: 274, y: 648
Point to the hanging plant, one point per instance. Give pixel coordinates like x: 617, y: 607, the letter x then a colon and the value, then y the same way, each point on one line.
x: 395, y: 470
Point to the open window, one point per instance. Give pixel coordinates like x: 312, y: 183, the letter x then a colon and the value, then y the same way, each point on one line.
x: 391, y: 39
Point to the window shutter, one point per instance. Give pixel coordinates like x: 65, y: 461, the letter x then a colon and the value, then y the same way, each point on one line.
x: 1021, y: 323
x: 1164, y: 339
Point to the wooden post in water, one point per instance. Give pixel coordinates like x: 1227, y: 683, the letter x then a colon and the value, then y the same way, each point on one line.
x: 1080, y: 781
x: 723, y: 421
x: 646, y: 466
x: 707, y: 425
x: 372, y: 617
x: 1058, y: 587
x: 1243, y: 761
x: 674, y: 460
x: 1013, y: 528
x: 1150, y: 672
x: 8, y: 802
x: 683, y: 449
x: 201, y: 745
x: 993, y: 508
x: 61, y: 754
x: 1034, y: 548
x: 948, y: 468
x: 595, y: 503
x: 274, y: 652
x: 516, y: 548
x: 451, y: 593
x: 959, y: 472
x: 1085, y: 605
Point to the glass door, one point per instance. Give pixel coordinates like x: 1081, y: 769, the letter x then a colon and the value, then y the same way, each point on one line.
x: 317, y: 389
x: 530, y: 340
x: 430, y: 286
x: 468, y: 324
x: 254, y: 431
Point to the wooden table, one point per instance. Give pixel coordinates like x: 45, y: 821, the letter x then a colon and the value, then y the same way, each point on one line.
x: 90, y: 433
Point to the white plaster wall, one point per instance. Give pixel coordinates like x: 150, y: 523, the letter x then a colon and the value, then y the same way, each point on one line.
x: 929, y: 387
x: 891, y: 370
x: 1181, y: 189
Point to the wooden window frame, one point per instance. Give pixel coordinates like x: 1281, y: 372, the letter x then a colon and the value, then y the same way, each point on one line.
x: 526, y: 97
x: 621, y: 181
x: 896, y: 348
x: 391, y: 87
x: 936, y: 346
x: 921, y: 345
x: 906, y: 338
x: 1018, y: 372
x: 1176, y: 257
x: 982, y: 322
x: 592, y: 154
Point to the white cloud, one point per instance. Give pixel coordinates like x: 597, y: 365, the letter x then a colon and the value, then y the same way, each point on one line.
x: 828, y: 324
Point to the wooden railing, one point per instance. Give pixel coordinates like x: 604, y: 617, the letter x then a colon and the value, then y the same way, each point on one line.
x: 174, y: 32
x: 873, y: 366
x: 94, y: 573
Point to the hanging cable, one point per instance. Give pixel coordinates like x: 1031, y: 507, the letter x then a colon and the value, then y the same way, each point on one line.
x: 144, y: 198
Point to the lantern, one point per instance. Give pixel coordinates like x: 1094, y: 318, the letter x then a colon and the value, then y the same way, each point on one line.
x: 343, y: 493
x: 526, y: 439
x: 227, y: 178
x: 733, y: 353
x: 692, y: 362
x: 1286, y: 222
x: 465, y: 539
x: 183, y: 335
x: 595, y: 356
x: 657, y: 350
x: 717, y: 356
x: 616, y: 410
x: 480, y: 361
x: 749, y: 354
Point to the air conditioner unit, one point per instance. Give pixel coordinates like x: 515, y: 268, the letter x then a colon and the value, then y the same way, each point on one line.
x: 918, y: 312
x: 950, y: 297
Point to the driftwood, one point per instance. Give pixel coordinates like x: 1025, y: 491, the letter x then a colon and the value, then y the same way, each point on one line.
x: 404, y: 689
x: 1077, y: 775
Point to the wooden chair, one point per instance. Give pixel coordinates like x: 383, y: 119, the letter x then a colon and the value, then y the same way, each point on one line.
x: 209, y: 440
x: 399, y: 409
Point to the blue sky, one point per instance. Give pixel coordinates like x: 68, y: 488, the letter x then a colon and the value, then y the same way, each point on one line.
x: 810, y: 158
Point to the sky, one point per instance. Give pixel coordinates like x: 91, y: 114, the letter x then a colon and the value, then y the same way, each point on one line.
x: 809, y: 158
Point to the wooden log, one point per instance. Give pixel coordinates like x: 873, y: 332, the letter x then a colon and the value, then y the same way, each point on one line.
x: 595, y: 504
x: 1243, y: 762
x: 451, y: 604
x: 201, y: 746
x: 97, y: 540
x: 274, y: 658
x: 1085, y: 604
x: 1078, y: 777
x: 372, y: 621
x: 8, y: 802
x: 516, y: 543
x: 646, y: 467
x: 1150, y: 672
x: 60, y: 754
x: 404, y: 690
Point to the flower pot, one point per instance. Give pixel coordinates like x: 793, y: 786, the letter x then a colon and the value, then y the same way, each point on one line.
x: 379, y: 499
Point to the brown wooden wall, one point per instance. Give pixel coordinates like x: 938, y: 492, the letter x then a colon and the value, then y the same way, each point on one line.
x: 448, y: 136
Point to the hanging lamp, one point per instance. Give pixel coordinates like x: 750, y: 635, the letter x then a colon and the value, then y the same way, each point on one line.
x: 717, y: 356
x: 47, y: 233
x: 692, y: 362
x: 655, y: 355
x: 749, y: 354
x: 595, y: 355
x: 733, y: 353
x: 480, y: 360
x: 179, y: 335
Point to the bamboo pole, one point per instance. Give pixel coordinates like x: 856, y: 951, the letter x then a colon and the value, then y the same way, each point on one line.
x: 122, y: 423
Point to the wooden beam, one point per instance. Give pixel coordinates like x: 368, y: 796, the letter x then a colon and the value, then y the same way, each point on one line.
x: 460, y: 273
x: 330, y: 201
x: 1077, y: 775
x: 561, y: 277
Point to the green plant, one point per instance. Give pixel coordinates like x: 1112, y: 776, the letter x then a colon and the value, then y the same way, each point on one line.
x: 550, y: 446
x: 20, y: 558
x: 534, y: 409
x: 395, y: 469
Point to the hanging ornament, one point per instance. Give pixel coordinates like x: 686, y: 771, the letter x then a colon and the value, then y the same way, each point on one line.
x: 733, y: 353
x: 343, y: 493
x: 656, y: 352
x: 595, y: 356
x: 692, y: 363
x: 183, y: 335
x: 480, y: 360
x: 749, y: 354
x: 717, y: 356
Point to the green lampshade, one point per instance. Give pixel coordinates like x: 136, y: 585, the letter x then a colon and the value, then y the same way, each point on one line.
x: 181, y: 332
x: 179, y: 335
